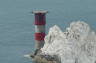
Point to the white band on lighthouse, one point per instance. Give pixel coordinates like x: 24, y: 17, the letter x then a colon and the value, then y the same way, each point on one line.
x: 40, y: 28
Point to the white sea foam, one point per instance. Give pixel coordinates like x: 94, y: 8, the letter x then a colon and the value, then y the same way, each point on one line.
x: 27, y: 56
x: 76, y: 45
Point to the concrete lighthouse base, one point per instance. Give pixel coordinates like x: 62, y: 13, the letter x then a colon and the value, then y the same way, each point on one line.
x: 44, y: 59
x: 40, y: 58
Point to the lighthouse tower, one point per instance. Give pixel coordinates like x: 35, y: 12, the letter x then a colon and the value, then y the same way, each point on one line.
x: 40, y: 21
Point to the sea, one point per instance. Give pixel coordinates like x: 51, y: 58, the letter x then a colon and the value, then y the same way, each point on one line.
x: 17, y: 23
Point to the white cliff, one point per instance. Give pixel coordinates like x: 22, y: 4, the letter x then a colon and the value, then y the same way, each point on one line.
x: 76, y: 45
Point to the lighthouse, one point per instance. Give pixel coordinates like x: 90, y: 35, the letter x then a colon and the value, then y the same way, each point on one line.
x: 40, y: 22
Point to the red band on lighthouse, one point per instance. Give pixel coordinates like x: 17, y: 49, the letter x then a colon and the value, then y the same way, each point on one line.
x: 40, y: 23
x: 39, y: 36
x: 40, y: 19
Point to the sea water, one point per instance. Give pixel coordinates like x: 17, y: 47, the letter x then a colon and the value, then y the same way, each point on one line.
x: 17, y: 28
